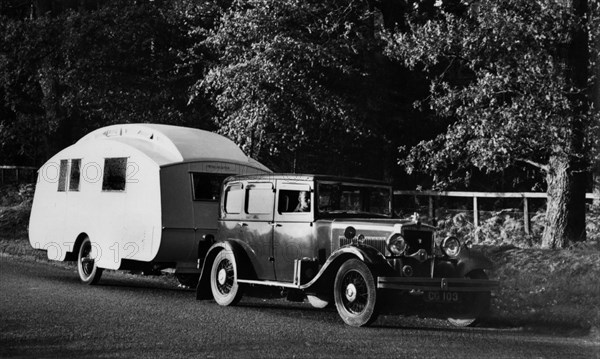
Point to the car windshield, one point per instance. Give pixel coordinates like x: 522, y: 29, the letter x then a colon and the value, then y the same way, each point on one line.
x: 355, y: 199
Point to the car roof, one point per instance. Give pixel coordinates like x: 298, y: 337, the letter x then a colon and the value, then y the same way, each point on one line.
x: 304, y: 177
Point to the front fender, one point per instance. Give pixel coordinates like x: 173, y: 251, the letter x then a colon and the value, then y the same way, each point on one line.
x: 242, y: 262
x: 323, y: 281
x: 471, y: 260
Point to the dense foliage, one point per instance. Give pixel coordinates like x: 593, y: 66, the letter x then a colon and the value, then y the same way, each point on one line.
x: 297, y: 80
x: 501, y: 71
x: 512, y: 78
x: 66, y: 74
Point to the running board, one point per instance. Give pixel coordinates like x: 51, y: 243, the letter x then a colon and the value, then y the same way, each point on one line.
x: 269, y: 283
x: 296, y: 284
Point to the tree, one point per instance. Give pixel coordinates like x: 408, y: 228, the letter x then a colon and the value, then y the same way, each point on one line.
x: 69, y: 70
x: 290, y: 82
x: 511, y: 77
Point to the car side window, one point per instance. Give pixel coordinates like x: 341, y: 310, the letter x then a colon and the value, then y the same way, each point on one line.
x: 234, y: 196
x: 259, y: 198
x: 291, y: 201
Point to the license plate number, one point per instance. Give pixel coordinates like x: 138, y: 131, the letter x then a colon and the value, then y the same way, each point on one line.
x: 442, y: 297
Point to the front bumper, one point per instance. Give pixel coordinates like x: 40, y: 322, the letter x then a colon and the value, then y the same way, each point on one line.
x: 437, y: 284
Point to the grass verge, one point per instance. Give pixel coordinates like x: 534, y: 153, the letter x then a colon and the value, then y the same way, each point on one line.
x: 553, y: 289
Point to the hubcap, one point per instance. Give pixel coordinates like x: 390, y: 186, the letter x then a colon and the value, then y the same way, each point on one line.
x: 87, y: 262
x: 222, y: 276
x: 354, y: 292
x: 351, y: 292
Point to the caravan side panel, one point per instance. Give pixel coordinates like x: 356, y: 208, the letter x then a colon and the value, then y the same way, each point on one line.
x: 122, y: 223
x: 48, y: 212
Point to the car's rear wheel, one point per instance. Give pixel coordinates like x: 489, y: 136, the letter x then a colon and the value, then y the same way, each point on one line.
x: 355, y: 294
x: 89, y: 273
x: 474, y: 306
x: 223, y: 279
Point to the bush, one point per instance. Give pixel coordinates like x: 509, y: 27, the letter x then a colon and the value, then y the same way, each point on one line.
x: 15, y: 207
x: 505, y: 228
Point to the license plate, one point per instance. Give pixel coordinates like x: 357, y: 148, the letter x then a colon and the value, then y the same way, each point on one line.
x: 442, y: 297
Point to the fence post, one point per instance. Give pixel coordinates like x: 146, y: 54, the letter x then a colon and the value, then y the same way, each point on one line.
x: 432, y: 211
x: 475, y: 219
x: 526, y: 223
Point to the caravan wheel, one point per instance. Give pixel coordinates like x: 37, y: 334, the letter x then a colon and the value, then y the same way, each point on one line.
x: 89, y: 273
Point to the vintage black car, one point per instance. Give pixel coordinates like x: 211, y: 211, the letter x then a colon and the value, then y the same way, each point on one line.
x: 334, y: 241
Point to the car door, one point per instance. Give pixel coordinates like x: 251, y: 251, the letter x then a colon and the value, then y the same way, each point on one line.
x: 257, y: 227
x: 293, y: 234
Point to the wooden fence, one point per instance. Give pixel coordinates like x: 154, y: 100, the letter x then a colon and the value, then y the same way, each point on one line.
x: 17, y: 174
x: 476, y: 196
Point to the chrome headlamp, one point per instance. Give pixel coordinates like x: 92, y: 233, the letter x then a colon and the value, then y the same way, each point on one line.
x: 450, y: 246
x: 397, y: 245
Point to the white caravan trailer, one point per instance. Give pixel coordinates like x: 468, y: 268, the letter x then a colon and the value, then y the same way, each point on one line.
x: 139, y: 197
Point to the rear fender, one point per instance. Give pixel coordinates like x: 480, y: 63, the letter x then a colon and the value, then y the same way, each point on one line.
x: 203, y: 290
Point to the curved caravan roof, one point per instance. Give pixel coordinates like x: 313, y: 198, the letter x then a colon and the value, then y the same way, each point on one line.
x: 167, y: 144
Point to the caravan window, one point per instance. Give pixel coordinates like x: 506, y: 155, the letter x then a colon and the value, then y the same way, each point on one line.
x: 62, y: 180
x: 207, y: 186
x: 114, y: 174
x: 75, y: 174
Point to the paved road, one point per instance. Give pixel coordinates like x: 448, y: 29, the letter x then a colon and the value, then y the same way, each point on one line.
x: 45, y: 312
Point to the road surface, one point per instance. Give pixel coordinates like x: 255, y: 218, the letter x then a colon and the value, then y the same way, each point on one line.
x: 46, y: 312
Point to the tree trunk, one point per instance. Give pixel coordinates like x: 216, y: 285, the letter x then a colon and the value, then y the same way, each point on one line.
x: 596, y: 111
x: 566, y: 175
x: 565, y: 212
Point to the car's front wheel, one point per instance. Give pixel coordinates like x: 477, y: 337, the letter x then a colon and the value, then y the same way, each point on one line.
x: 355, y: 294
x: 89, y: 273
x: 223, y: 279
x: 474, y: 305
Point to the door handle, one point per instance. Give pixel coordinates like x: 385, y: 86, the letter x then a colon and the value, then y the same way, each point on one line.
x: 275, y: 224
x: 242, y: 224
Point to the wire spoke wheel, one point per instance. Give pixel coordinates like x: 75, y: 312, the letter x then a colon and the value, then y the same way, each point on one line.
x: 355, y: 293
x: 225, y: 276
x: 223, y: 279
